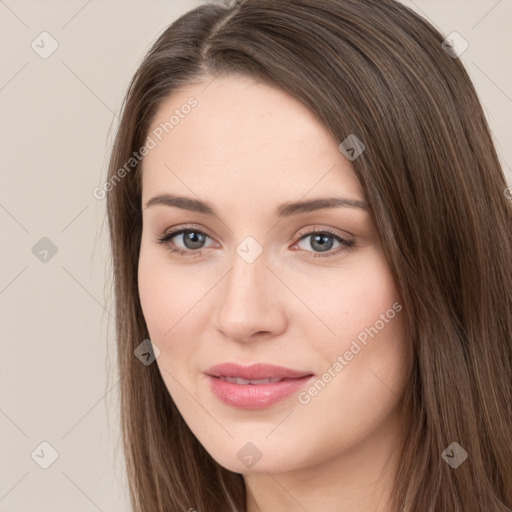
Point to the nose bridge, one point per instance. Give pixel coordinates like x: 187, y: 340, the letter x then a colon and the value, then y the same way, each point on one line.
x: 248, y: 301
x: 248, y: 276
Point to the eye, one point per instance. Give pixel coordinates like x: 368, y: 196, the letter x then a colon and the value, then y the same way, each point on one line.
x: 323, y: 240
x: 193, y: 240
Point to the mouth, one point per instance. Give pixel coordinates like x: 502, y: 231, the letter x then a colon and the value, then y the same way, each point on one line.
x: 253, y: 382
x: 257, y: 386
x: 259, y: 373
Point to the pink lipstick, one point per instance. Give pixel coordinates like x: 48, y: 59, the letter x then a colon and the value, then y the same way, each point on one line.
x: 256, y: 386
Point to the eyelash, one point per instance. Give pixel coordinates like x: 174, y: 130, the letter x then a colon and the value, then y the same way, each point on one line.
x: 167, y: 237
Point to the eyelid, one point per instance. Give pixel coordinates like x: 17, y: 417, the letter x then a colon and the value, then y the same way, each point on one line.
x: 186, y: 227
x: 320, y: 228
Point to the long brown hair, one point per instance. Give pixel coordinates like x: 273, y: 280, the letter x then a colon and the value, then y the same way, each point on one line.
x: 435, y: 187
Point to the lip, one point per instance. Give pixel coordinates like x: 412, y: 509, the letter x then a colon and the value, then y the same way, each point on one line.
x: 255, y: 371
x: 255, y: 396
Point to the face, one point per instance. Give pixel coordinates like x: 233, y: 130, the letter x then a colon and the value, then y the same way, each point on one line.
x: 244, y: 277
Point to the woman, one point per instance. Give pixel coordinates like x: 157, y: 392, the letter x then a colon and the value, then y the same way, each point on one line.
x: 312, y: 253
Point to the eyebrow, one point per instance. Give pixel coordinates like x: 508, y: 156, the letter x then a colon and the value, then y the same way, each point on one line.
x: 284, y: 210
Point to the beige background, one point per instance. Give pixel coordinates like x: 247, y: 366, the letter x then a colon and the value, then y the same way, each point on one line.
x: 57, y: 374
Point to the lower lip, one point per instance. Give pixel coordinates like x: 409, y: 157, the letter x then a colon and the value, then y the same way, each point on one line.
x: 255, y: 396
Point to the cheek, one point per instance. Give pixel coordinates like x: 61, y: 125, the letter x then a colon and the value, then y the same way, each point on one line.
x: 173, y: 309
x: 155, y: 297
x: 367, y: 350
x: 163, y: 307
x: 353, y: 299
x: 167, y: 294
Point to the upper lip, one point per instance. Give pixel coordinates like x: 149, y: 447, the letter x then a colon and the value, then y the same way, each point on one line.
x: 255, y: 371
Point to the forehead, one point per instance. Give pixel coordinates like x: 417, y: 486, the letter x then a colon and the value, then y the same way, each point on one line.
x: 245, y: 137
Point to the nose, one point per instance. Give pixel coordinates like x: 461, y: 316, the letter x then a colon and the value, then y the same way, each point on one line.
x: 250, y: 303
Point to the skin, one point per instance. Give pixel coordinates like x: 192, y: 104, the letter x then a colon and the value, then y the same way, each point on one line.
x: 246, y: 148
